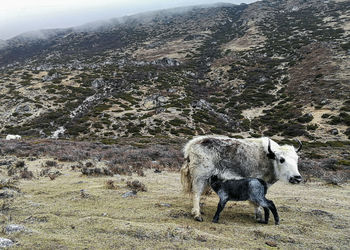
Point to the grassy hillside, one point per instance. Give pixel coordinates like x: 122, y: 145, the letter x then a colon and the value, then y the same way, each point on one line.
x: 77, y: 211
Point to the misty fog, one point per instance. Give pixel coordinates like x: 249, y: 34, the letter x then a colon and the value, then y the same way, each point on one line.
x: 24, y: 16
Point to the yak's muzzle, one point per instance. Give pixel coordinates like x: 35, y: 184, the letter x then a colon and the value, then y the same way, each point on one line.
x: 296, y: 179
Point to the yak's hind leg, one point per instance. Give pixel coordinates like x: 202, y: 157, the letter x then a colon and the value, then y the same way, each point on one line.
x: 198, y: 187
x: 258, y: 212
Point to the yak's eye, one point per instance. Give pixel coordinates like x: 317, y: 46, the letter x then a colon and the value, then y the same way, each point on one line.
x: 282, y: 160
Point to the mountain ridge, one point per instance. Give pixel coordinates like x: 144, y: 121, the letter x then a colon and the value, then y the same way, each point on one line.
x: 273, y: 68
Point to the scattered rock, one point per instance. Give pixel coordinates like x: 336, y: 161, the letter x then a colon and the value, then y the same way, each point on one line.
x: 271, y: 243
x: 154, y: 101
x: 163, y: 205
x: 83, y: 194
x: 324, y: 101
x: 23, y: 109
x: 80, y: 182
x: 167, y: 62
x: 8, y: 193
x: 13, y: 228
x: 5, y: 242
x: 201, y: 238
x: 98, y: 83
x: 334, y: 131
x: 7, y: 183
x: 339, y: 226
x: 129, y: 194
x: 6, y: 163
x: 51, y: 77
x: 319, y: 212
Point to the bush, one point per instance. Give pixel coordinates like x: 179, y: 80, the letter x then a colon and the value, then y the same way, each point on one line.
x: 177, y: 122
x: 50, y: 164
x: 294, y: 130
x: 306, y: 118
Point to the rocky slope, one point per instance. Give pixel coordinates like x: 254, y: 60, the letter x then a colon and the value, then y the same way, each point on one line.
x: 275, y: 68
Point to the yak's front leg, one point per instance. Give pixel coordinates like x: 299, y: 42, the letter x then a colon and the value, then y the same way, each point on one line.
x: 198, y: 188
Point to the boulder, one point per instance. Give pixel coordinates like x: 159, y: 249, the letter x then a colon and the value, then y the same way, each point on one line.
x: 5, y: 242
x: 14, y: 228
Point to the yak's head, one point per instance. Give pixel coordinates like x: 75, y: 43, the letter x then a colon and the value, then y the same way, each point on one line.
x: 285, y: 161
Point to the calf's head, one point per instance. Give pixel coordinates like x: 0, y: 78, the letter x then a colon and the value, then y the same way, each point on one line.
x: 285, y: 162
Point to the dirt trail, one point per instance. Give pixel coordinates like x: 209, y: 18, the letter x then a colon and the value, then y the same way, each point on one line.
x: 57, y: 215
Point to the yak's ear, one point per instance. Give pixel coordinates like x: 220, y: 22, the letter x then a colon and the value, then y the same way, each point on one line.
x: 271, y: 154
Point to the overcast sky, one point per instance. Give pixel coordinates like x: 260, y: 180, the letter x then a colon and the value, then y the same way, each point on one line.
x: 18, y: 16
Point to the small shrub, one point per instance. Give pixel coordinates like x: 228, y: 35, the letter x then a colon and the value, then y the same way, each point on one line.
x: 50, y: 164
x: 96, y: 171
x: 110, y: 184
x: 343, y: 162
x: 136, y: 186
x: 89, y: 165
x: 312, y: 127
x: 20, y: 164
x: 26, y: 174
x: 306, y: 118
x: 121, y: 170
x: 177, y: 122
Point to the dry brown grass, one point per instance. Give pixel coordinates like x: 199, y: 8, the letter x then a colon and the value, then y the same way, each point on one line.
x: 57, y: 216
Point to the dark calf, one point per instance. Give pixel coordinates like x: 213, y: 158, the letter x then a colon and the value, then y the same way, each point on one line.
x: 251, y: 189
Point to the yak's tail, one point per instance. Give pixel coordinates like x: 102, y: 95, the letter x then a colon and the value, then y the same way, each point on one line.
x: 186, y: 178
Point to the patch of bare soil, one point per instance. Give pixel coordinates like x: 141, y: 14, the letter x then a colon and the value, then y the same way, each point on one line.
x: 74, y: 211
x: 251, y: 39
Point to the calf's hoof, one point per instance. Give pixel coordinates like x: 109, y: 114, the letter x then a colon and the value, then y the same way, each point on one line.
x: 198, y: 218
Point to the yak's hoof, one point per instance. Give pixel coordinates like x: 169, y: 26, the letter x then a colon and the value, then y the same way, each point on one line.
x: 262, y: 222
x: 215, y: 221
x: 277, y: 223
x: 198, y: 218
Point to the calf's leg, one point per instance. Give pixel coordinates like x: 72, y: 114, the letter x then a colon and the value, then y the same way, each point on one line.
x: 258, y: 212
x: 221, y: 206
x: 273, y: 209
x: 267, y: 215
